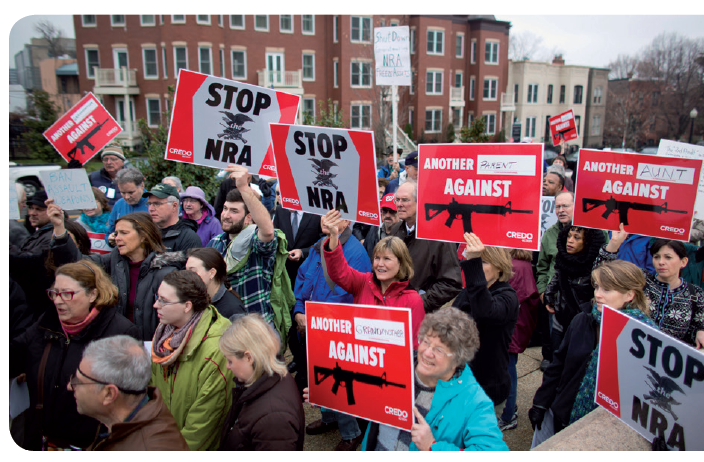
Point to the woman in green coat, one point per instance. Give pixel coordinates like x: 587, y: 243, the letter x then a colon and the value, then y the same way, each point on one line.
x: 187, y: 365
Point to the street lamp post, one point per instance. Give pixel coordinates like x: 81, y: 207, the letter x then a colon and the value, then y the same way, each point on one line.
x: 692, y: 115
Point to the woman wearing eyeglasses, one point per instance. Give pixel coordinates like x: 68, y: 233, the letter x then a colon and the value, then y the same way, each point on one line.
x: 50, y: 351
x: 187, y: 365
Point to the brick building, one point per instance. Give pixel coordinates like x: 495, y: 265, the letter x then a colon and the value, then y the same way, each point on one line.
x: 460, y: 65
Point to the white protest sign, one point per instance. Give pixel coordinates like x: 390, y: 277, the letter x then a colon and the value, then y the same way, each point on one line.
x: 675, y: 149
x: 392, y: 55
x: 69, y: 188
x: 14, y: 206
x: 548, y: 217
x: 98, y: 244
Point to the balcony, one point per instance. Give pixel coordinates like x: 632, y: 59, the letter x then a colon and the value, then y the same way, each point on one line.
x: 507, y: 102
x: 121, y: 81
x: 457, y: 96
x: 130, y: 136
x: 288, y: 81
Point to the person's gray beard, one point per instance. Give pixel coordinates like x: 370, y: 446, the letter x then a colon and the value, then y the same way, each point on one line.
x: 236, y: 228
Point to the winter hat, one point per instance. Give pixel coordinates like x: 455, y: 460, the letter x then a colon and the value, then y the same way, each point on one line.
x: 113, y: 150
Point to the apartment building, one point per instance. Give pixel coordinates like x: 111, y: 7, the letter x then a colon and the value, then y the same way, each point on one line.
x: 59, y: 79
x: 28, y: 59
x: 595, y: 116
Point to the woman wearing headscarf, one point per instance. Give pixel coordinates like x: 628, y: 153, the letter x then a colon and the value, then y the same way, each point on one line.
x: 199, y: 210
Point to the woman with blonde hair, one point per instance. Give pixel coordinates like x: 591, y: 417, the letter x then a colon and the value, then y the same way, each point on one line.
x: 567, y: 392
x: 491, y: 301
x: 266, y: 413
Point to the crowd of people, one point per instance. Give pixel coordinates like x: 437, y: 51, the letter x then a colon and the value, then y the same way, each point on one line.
x: 174, y: 339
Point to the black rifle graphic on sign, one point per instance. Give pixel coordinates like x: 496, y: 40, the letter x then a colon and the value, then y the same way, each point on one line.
x: 84, y: 142
x: 323, y: 177
x: 464, y: 211
x: 347, y: 378
x: 622, y: 207
x: 661, y: 389
x: 233, y: 128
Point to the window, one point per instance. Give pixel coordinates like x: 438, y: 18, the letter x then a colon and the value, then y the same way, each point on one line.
x: 285, y: 23
x: 163, y: 58
x: 178, y: 19
x: 147, y: 20
x: 597, y: 95
x: 457, y: 118
x: 237, y: 21
x: 433, y: 120
x: 435, y: 39
x: 92, y: 61
x: 491, y: 52
x: 335, y: 29
x: 203, y: 19
x: 490, y: 124
x: 361, y: 74
x: 153, y: 112
x: 655, y: 98
x: 151, y: 69
x: 549, y: 94
x: 473, y: 52
x: 578, y: 94
x: 308, y: 66
x: 309, y: 108
x: 307, y: 24
x: 117, y: 19
x: 530, y: 127
x: 562, y: 94
x: 335, y: 74
x: 205, y: 58
x: 261, y: 22
x: 413, y: 41
x: 393, y: 22
x: 516, y: 87
x: 88, y: 20
x: 596, y: 125
x: 577, y: 123
x: 490, y: 87
x: 413, y: 82
x: 532, y: 93
x: 458, y: 79
x: 361, y: 29
x: 222, y: 62
x: 180, y: 59
x: 411, y: 116
x: 239, y: 64
x: 459, y: 46
x: 472, y: 83
x: 220, y: 20
x: 433, y: 83
x: 361, y: 116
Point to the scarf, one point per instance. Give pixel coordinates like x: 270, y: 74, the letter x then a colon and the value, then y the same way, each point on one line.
x: 97, y: 224
x: 203, y: 216
x: 73, y: 329
x: 169, y: 342
x: 239, y: 248
x: 580, y: 264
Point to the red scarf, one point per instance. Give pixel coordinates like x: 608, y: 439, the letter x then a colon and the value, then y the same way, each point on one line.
x: 73, y: 329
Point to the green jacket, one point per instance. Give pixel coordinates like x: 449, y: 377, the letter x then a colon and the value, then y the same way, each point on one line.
x: 282, y: 298
x: 197, y: 387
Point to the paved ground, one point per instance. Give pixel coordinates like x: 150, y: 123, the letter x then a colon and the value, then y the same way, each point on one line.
x: 519, y: 439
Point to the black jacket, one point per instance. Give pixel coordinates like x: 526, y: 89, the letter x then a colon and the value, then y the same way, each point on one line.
x: 495, y: 310
x: 309, y: 233
x: 61, y: 422
x: 181, y: 236
x: 227, y: 304
x: 20, y: 313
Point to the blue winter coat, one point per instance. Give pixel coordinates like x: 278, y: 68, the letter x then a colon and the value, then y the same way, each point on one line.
x: 636, y: 249
x: 102, y: 181
x: 461, y: 417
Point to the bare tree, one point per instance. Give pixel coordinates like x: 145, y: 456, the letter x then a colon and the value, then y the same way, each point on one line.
x: 524, y: 46
x: 54, y: 37
x: 623, y: 67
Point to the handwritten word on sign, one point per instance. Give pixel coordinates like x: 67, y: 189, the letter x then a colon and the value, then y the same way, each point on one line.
x: 69, y: 188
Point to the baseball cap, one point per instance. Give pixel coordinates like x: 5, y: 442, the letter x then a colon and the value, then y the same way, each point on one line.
x: 162, y: 191
x: 412, y: 159
x: 388, y: 202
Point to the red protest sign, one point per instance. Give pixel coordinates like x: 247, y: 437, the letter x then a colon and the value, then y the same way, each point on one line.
x: 650, y: 195
x: 98, y: 244
x: 321, y: 169
x: 492, y: 190
x: 360, y: 361
x: 83, y: 131
x: 216, y: 122
x: 563, y: 126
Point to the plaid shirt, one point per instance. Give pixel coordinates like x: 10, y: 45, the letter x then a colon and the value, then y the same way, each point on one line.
x: 253, y: 281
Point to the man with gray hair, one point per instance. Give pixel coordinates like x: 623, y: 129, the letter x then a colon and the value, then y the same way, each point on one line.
x: 130, y: 182
x: 174, y: 181
x: 177, y: 233
x: 134, y: 415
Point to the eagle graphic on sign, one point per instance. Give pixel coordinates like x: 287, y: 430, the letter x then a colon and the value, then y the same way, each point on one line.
x: 661, y: 389
x: 234, y: 126
x: 323, y: 177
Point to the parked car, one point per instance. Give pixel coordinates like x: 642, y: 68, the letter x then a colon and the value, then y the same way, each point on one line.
x: 28, y: 175
x: 652, y: 150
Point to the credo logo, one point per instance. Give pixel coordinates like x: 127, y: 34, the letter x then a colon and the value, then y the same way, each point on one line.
x: 180, y: 152
x: 368, y: 214
x: 291, y: 201
x: 671, y: 229
x: 610, y: 401
x: 515, y: 235
x: 402, y: 415
x: 269, y: 167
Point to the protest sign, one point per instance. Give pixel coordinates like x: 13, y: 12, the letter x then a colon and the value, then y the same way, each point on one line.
x: 652, y: 382
x: 563, y: 126
x: 490, y: 189
x: 650, y: 195
x: 14, y: 206
x: 216, y: 122
x: 69, y: 188
x: 360, y: 361
x: 98, y: 244
x: 689, y: 151
x: 83, y: 131
x: 392, y: 55
x: 321, y: 169
x: 548, y: 217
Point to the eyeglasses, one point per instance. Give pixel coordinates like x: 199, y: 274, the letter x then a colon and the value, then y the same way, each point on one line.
x: 74, y: 383
x: 437, y: 351
x: 405, y: 200
x: 185, y: 201
x: 155, y: 204
x: 384, y: 211
x: 66, y: 295
x: 161, y: 302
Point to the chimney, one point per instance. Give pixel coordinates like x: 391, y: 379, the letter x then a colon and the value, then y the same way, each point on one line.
x: 558, y: 60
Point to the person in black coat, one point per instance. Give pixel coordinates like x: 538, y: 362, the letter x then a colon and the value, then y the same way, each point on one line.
x: 20, y: 314
x: 493, y: 304
x: 208, y: 263
x: 308, y: 233
x: 48, y: 354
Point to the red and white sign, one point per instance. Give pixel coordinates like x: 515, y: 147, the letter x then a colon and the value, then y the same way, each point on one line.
x: 216, y: 122
x: 490, y: 189
x: 98, y: 244
x: 563, y: 126
x: 321, y: 169
x: 650, y: 195
x: 83, y: 131
x: 652, y: 382
x: 360, y: 361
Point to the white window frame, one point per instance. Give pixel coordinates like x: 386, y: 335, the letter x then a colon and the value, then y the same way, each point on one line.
x: 473, y: 51
x: 281, y: 28
x: 176, y: 68
x: 598, y: 92
x: 232, y: 68
x: 335, y: 29
x: 531, y: 122
x: 581, y: 95
x: 312, y: 22
x: 87, y: 24
x: 88, y: 66
x: 461, y: 75
x: 495, y: 88
x: 222, y: 62
x: 220, y: 20
x: 457, y: 121
x: 596, y: 125
x: 360, y: 107
x: 492, y: 43
x: 433, y: 111
x: 413, y: 40
x: 437, y: 75
x: 362, y: 64
x: 259, y: 29
x: 210, y: 60
x: 472, y: 87
x: 303, y: 59
x: 393, y: 23
x: 232, y: 26
x: 516, y: 91
x: 178, y: 21
x: 460, y: 37
x: 201, y: 21
x: 486, y: 129
x: 149, y: 112
x: 303, y: 106
x: 362, y: 21
x: 143, y: 23
x: 164, y: 63
x: 335, y: 73
x: 532, y: 94
x: 550, y: 94
x: 435, y: 34
x: 148, y: 76
x: 117, y: 24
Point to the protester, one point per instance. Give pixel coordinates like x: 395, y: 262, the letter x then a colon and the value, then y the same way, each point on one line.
x: 196, y: 208
x: 18, y: 232
x: 493, y: 304
x: 185, y: 345
x: 567, y: 392
x: 382, y: 183
x: 392, y: 169
x: 561, y: 161
x: 130, y: 182
x: 49, y: 353
x: 105, y: 179
x: 173, y: 181
x: 209, y: 265
x: 177, y: 234
x: 37, y: 224
x: 266, y: 413
x: 553, y: 181
x: 133, y: 415
x: 389, y: 217
x: 411, y: 173
x: 677, y: 307
x: 96, y: 220
x: 302, y: 230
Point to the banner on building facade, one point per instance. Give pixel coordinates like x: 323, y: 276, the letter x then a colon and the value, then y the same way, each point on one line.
x: 563, y: 126
x: 392, y: 55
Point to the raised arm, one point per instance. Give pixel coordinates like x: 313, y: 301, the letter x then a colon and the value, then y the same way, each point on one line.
x: 257, y: 210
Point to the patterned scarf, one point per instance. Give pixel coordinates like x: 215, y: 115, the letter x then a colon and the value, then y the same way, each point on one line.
x: 97, y: 224
x: 73, y: 329
x: 169, y: 341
